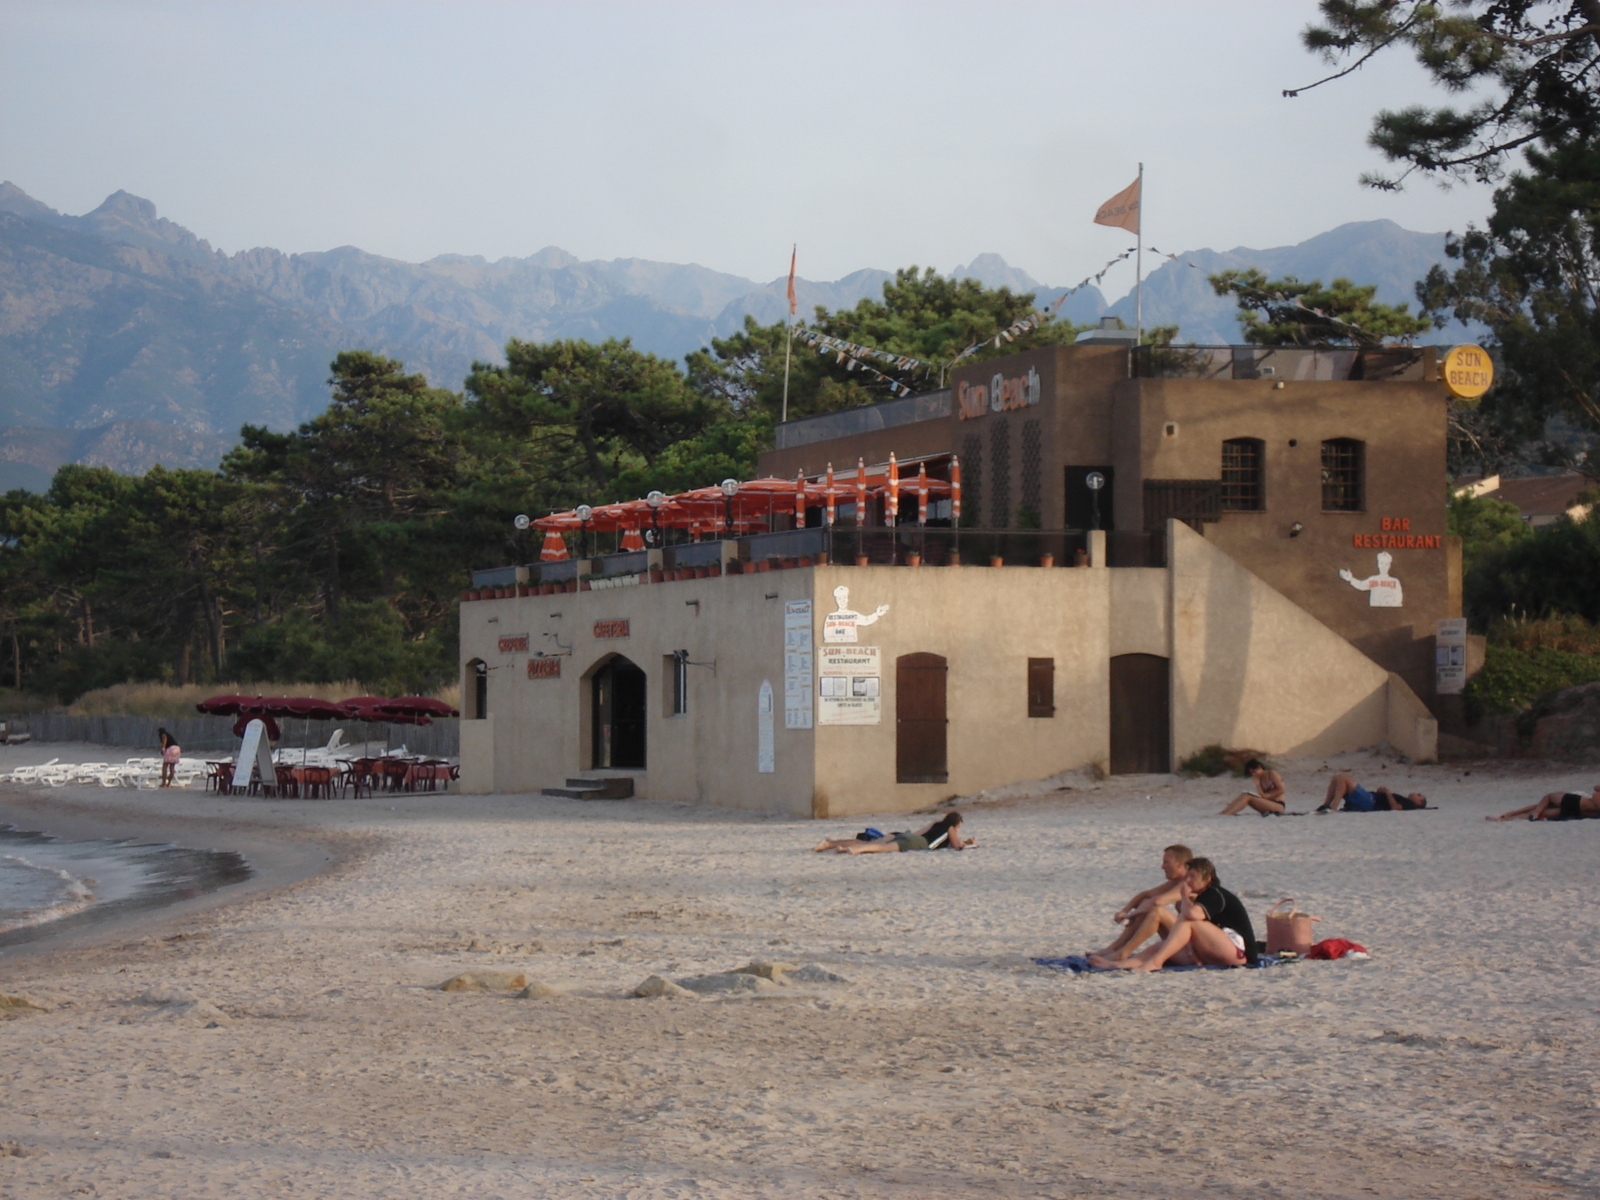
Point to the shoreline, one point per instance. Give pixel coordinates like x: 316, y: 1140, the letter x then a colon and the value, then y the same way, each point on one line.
x: 279, y: 856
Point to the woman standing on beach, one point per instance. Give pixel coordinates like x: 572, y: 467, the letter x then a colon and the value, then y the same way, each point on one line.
x: 171, y: 752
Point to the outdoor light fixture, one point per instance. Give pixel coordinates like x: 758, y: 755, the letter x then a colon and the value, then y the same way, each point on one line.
x: 1296, y: 529
x: 730, y: 488
x: 583, y: 512
x: 522, y: 521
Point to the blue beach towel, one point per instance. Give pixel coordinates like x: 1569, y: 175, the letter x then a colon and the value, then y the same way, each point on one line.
x: 1078, y: 964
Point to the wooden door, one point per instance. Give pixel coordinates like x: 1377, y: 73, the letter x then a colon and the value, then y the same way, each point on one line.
x: 1141, y: 717
x: 920, y: 722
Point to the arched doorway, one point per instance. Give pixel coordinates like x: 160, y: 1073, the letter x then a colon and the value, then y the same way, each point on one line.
x: 617, y: 692
x: 920, y: 722
x: 1141, y: 715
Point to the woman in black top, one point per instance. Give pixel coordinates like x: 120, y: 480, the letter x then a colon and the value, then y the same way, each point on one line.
x: 1212, y: 930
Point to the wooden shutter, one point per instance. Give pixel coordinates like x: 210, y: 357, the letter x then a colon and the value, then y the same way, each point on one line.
x: 920, y: 723
x: 1041, y: 687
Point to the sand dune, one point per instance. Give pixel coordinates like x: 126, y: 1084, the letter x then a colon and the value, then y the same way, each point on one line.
x: 289, y: 1038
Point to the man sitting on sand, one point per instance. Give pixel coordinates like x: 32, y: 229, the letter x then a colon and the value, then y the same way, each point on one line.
x: 1212, y: 930
x: 1268, y: 796
x: 1557, y: 806
x: 945, y: 833
x: 1343, y: 789
x: 1150, y: 913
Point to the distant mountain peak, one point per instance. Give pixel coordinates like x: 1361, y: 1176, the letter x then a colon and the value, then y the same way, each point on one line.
x: 128, y: 207
x: 14, y: 200
x: 993, y: 271
x: 555, y: 258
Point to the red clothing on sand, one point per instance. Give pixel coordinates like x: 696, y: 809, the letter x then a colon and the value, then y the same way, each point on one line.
x: 1335, y: 948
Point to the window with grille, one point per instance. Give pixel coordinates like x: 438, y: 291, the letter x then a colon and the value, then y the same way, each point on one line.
x: 972, y: 481
x: 1342, y: 471
x: 1241, y: 475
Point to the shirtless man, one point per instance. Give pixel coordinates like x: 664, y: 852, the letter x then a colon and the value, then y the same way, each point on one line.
x: 1212, y: 930
x: 1150, y: 913
x: 1343, y: 789
x: 1268, y: 796
x: 1557, y: 806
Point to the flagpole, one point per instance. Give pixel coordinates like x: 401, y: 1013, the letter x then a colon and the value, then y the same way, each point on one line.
x: 1138, y: 268
x: 788, y: 335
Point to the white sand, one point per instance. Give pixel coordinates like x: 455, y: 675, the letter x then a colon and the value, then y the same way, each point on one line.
x: 1459, y: 1061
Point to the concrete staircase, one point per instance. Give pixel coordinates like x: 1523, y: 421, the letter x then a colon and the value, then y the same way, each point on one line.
x: 615, y: 788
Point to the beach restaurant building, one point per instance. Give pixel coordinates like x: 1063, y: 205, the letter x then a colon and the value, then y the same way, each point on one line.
x: 1093, y: 555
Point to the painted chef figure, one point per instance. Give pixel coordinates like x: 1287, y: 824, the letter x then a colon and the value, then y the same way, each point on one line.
x: 1383, y: 590
x: 840, y: 625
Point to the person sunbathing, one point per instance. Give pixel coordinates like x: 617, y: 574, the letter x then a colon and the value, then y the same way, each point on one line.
x: 1268, y: 796
x: 943, y: 834
x: 1150, y: 913
x: 1557, y: 806
x: 1344, y: 790
x: 1212, y: 930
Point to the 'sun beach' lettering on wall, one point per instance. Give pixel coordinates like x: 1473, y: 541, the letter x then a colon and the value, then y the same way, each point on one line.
x: 998, y: 395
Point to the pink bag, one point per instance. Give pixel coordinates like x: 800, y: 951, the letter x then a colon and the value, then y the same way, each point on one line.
x: 1289, y: 931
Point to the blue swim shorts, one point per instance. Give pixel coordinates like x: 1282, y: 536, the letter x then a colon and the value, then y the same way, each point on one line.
x: 1358, y: 799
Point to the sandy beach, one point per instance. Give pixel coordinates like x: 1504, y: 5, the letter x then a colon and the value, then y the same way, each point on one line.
x: 287, y: 1037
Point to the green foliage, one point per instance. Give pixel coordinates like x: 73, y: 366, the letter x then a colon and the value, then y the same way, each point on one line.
x: 1484, y: 525
x: 922, y: 315
x: 1216, y: 759
x: 1532, y: 276
x: 367, y: 641
x: 1533, y: 62
x: 1513, y: 678
x: 1287, y: 312
x: 1555, y: 570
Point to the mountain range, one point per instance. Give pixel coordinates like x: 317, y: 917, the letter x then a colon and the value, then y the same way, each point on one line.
x: 126, y: 340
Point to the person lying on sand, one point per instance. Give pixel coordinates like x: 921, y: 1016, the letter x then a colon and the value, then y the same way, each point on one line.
x: 943, y: 834
x: 1268, y: 796
x: 1557, y: 806
x: 1343, y: 789
x: 1212, y: 930
x: 1150, y: 913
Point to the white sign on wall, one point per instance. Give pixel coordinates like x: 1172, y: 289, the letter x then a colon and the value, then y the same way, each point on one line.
x: 797, y: 664
x: 1450, y: 656
x: 1383, y: 589
x: 848, y: 686
x: 841, y: 624
x: 766, y: 759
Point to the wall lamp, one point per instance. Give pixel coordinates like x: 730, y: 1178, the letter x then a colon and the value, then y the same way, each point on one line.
x: 1296, y: 529
x: 683, y: 657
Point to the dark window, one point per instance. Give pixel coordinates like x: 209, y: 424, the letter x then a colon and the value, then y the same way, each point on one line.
x: 1343, y: 469
x: 1241, y: 475
x: 1192, y: 501
x: 480, y: 689
x: 677, y: 665
x: 1041, y: 687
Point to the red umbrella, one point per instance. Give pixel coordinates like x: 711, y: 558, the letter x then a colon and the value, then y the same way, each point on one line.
x: 417, y: 706
x: 239, y: 726
x: 383, y: 717
x: 224, y: 706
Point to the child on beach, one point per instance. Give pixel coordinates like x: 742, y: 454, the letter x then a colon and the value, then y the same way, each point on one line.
x: 1150, y: 913
x: 171, y: 752
x: 944, y: 833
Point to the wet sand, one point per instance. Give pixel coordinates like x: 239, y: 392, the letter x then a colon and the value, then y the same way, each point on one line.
x: 286, y: 1037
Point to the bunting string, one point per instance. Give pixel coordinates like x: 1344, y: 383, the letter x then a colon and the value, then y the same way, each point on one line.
x: 1038, y: 317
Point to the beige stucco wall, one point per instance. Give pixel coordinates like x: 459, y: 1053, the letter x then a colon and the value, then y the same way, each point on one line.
x: 1252, y: 669
x: 707, y: 756
x: 477, y: 756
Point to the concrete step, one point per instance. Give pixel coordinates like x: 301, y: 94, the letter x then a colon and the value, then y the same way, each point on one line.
x: 615, y: 788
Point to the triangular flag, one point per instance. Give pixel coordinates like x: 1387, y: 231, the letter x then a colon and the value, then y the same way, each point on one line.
x: 1122, y: 210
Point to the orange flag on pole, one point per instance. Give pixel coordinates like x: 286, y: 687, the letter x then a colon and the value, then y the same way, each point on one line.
x: 1122, y: 210
x: 795, y: 249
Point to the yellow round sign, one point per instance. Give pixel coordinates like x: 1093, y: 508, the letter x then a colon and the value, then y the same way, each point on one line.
x: 1467, y: 372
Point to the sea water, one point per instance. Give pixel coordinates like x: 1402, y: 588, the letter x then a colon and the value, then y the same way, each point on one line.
x: 49, y: 885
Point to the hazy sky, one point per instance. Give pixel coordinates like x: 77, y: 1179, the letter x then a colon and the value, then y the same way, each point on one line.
x: 873, y: 134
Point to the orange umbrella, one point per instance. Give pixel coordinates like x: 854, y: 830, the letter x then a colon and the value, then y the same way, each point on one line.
x: 861, y: 492
x: 922, y: 493
x: 800, y: 500
x: 830, y: 495
x: 632, y: 540
x: 554, y: 547
x: 955, y: 491
x: 891, y: 508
